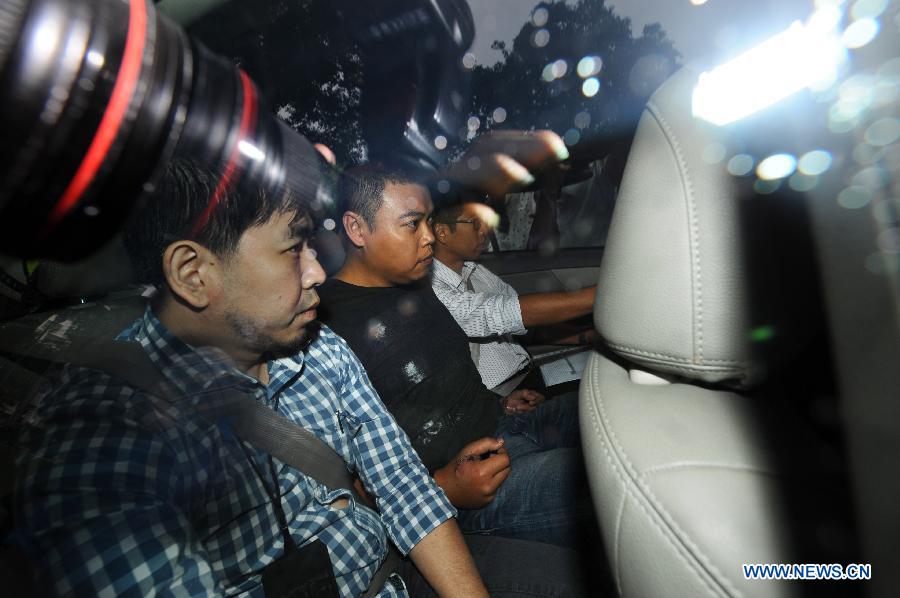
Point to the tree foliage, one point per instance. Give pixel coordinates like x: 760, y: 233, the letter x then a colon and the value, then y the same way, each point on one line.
x: 308, y: 70
x: 310, y: 73
x: 534, y: 90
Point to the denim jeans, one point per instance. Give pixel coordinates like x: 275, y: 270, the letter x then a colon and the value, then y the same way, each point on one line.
x: 545, y: 498
x: 512, y: 568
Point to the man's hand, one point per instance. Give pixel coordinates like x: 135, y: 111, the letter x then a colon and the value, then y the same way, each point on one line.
x: 472, y: 479
x: 500, y: 161
x: 522, y: 401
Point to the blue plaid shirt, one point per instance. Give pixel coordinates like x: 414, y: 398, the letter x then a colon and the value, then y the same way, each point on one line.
x: 122, y: 492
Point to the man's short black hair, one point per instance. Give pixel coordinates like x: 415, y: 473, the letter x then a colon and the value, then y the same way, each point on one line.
x: 448, y: 214
x: 176, y: 211
x: 361, y: 189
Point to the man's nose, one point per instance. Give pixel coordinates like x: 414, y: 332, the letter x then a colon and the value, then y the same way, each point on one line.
x: 427, y: 235
x: 313, y: 274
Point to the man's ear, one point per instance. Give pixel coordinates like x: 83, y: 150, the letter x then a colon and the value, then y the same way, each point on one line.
x: 441, y: 232
x: 189, y: 272
x: 355, y: 227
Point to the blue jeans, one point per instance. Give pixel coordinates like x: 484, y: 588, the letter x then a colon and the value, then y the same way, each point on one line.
x: 545, y: 498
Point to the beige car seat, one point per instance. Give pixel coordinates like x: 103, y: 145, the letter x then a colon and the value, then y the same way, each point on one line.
x: 708, y: 307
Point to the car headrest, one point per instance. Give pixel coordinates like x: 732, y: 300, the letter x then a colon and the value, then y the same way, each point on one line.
x: 690, y: 283
x: 106, y: 270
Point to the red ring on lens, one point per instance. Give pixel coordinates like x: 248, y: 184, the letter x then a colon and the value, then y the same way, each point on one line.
x: 122, y: 92
x: 248, y: 122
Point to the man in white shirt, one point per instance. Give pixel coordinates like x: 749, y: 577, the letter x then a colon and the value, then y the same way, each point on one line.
x: 489, y: 310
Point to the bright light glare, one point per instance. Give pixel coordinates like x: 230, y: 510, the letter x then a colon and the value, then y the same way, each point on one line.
x: 773, y: 70
x: 776, y: 166
x: 250, y: 150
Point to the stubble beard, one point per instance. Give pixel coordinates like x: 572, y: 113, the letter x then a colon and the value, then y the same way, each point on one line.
x: 251, y: 335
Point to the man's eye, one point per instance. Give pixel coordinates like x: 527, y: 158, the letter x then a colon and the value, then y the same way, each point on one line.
x: 413, y: 224
x: 296, y: 248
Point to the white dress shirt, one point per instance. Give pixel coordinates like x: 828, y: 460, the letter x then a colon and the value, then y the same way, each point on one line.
x: 489, y: 314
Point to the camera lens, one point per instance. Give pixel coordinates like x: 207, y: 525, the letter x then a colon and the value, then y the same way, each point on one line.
x: 92, y: 110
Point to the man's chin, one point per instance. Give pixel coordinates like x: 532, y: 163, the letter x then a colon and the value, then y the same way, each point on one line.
x: 290, y: 348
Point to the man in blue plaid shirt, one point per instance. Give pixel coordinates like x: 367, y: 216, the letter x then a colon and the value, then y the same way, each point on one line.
x: 120, y: 491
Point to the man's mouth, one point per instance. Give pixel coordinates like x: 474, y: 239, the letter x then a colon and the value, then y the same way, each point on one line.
x: 310, y: 309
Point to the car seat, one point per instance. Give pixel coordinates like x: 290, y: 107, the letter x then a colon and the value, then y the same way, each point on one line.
x: 699, y: 450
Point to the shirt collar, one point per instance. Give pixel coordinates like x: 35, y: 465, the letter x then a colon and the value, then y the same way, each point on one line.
x: 444, y: 274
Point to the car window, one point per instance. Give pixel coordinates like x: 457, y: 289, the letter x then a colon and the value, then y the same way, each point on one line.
x: 581, y: 70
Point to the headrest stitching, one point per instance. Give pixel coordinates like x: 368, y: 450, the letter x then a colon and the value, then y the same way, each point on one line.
x: 696, y: 284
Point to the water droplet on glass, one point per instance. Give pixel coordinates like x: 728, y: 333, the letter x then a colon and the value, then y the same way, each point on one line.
x: 863, y: 9
x: 881, y: 263
x: 871, y: 177
x: 765, y: 187
x: 583, y: 120
x: 469, y: 60
x: 884, y: 131
x: 860, y: 33
x: 802, y: 182
x: 407, y: 307
x: 714, y: 153
x: 814, y: 162
x: 329, y: 224
x: 440, y: 142
x: 590, y: 87
x: 572, y: 137
x: 776, y: 166
x: 559, y: 68
x: 473, y: 123
x: 474, y: 163
x: 375, y: 329
x: 854, y: 197
x: 864, y: 154
x: 740, y: 165
x: 541, y: 38
x: 443, y: 186
x: 499, y: 115
x: 884, y: 213
x: 539, y: 17
x: 889, y: 240
x: 589, y: 66
x: 547, y: 74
